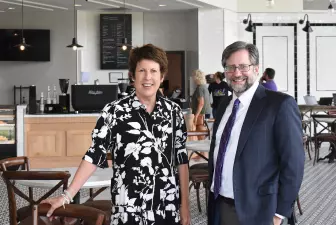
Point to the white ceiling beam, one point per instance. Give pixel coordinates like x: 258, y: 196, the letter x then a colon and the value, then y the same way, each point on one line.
x: 128, y: 4
x: 43, y: 4
x: 103, y: 3
x: 25, y: 5
x: 189, y: 3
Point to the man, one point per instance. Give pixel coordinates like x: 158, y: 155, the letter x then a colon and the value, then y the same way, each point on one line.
x: 256, y: 157
x: 268, y: 77
x: 219, y: 90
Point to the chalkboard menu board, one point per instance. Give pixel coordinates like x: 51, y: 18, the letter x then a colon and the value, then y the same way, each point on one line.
x: 113, y: 28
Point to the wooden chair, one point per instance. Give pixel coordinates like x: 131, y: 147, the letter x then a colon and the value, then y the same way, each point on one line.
x: 23, y: 215
x: 103, y: 205
x: 326, y: 133
x: 198, y: 173
x: 86, y: 214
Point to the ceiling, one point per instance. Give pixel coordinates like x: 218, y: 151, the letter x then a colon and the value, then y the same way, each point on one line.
x: 134, y: 5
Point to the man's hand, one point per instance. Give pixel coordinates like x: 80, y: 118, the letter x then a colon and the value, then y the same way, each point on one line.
x: 277, y: 220
x: 185, y: 214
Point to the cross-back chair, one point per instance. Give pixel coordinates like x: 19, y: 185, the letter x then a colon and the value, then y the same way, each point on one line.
x: 324, y: 131
x: 10, y: 178
x: 86, y: 214
x: 198, y: 173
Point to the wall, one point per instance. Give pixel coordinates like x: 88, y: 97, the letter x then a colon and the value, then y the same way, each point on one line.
x: 230, y: 27
x: 167, y: 30
x: 260, y: 6
x: 320, y: 70
x: 89, y: 36
x: 41, y: 74
x: 210, y: 39
x: 192, y: 47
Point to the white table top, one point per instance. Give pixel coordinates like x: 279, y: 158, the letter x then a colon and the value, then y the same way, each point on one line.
x: 100, y: 178
x: 200, y: 146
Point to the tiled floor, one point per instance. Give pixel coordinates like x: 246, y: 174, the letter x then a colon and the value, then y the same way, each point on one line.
x: 317, y: 195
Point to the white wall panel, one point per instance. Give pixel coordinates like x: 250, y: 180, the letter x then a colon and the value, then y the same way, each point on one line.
x: 275, y: 55
x: 322, y: 61
x: 276, y: 50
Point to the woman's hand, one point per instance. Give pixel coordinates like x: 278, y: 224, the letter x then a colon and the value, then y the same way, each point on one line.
x: 55, y: 203
x: 185, y: 215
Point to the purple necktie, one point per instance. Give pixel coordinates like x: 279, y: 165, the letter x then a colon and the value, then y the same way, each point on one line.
x: 222, y: 147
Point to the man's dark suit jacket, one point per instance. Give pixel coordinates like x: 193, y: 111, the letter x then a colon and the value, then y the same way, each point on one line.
x: 269, y: 162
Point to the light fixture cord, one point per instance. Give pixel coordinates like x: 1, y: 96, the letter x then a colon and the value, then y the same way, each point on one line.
x: 22, y: 21
x: 75, y: 18
x: 125, y: 19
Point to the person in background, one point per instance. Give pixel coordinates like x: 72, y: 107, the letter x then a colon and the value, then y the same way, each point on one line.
x: 256, y: 158
x: 219, y: 90
x: 267, y: 80
x: 200, y: 103
x: 146, y: 136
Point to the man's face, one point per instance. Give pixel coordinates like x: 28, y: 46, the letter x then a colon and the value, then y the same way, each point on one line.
x: 264, y: 76
x: 242, y: 78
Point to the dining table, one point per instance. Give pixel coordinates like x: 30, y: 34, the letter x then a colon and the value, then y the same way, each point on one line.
x: 198, y: 147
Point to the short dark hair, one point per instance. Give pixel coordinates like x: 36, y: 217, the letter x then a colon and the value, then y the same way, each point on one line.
x: 220, y: 75
x: 149, y: 52
x: 241, y: 45
x: 270, y: 73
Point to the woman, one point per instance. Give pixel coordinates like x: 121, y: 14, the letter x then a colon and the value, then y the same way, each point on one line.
x: 200, y: 103
x: 146, y: 135
x: 219, y: 90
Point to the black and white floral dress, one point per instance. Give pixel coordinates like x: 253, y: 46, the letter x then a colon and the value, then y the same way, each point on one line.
x: 145, y: 184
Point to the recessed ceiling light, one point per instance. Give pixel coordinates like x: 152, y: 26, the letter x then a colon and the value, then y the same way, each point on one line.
x: 162, y: 5
x: 78, y: 5
x: 11, y: 8
x: 2, y: 11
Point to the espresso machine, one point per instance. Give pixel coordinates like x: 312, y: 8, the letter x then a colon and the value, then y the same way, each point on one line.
x: 64, y: 97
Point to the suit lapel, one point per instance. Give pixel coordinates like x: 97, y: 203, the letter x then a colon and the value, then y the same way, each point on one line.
x: 256, y: 106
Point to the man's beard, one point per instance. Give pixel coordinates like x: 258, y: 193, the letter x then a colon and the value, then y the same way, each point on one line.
x: 241, y: 88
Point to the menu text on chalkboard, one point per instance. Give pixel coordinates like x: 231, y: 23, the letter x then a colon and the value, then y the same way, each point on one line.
x: 113, y: 28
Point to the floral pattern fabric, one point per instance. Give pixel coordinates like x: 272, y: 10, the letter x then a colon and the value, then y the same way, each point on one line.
x: 145, y: 183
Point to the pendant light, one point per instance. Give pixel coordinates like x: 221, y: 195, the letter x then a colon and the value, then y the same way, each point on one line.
x: 250, y: 27
x: 306, y: 28
x: 331, y: 9
x: 124, y: 43
x: 74, y: 45
x: 23, y: 44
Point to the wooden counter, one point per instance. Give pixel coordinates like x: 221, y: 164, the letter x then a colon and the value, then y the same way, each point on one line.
x: 52, y: 141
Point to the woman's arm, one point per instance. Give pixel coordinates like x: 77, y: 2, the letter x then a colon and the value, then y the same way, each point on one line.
x: 184, y: 183
x: 84, y: 171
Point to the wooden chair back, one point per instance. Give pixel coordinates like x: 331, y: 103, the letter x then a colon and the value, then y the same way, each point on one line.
x: 11, y: 176
x: 87, y: 214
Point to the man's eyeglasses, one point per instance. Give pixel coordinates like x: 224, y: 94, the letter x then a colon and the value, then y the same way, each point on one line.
x: 241, y: 68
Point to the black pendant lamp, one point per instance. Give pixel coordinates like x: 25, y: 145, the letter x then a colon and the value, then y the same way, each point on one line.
x: 306, y: 28
x: 250, y: 27
x: 74, y: 45
x: 124, y: 44
x: 23, y: 45
x: 331, y: 9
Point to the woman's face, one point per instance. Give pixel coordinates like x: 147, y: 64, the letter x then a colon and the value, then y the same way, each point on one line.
x: 194, y: 79
x: 147, y: 78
